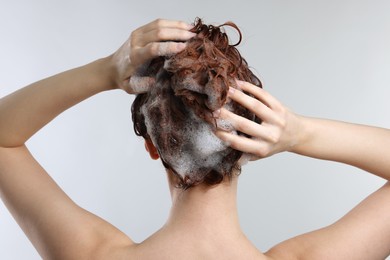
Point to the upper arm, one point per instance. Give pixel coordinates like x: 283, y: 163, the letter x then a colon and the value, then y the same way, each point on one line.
x: 56, y: 226
x: 364, y: 233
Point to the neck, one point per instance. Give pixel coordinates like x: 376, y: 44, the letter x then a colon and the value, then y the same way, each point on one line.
x: 205, y: 219
x: 206, y: 210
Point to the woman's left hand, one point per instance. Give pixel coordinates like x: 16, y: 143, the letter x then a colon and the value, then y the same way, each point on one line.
x: 277, y: 132
x: 158, y: 38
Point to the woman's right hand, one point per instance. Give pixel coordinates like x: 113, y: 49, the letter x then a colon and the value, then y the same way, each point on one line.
x: 158, y: 38
x: 277, y: 132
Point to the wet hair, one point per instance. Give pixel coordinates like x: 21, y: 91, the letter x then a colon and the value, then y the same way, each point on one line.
x: 176, y: 114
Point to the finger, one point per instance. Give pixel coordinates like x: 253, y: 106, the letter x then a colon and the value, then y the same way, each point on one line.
x: 229, y: 121
x: 155, y: 49
x: 160, y: 23
x: 244, y: 144
x: 256, y: 106
x: 245, y: 158
x: 259, y: 93
x: 162, y: 34
x: 138, y: 85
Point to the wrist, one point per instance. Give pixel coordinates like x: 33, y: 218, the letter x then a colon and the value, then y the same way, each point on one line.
x: 302, y: 134
x: 106, y: 73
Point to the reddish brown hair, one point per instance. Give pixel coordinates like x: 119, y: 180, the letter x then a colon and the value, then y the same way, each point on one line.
x: 193, y: 82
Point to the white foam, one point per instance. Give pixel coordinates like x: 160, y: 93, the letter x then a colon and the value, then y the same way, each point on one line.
x: 149, y: 125
x: 204, y: 140
x: 138, y: 84
x: 224, y: 124
x: 198, y: 151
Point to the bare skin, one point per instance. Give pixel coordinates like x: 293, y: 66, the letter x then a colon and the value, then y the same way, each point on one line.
x: 203, y: 220
x: 364, y: 233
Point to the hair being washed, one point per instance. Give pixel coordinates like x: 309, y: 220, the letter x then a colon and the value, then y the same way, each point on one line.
x: 176, y: 114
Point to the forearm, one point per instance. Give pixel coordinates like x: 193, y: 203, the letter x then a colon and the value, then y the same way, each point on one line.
x: 365, y: 147
x: 27, y: 110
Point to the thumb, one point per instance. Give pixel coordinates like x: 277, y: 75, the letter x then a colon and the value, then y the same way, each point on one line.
x: 138, y: 84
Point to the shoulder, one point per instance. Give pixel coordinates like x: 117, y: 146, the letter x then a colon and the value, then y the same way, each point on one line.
x: 363, y: 233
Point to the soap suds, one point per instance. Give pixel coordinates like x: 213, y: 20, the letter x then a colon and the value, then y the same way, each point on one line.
x: 138, y: 84
x: 224, y: 124
x: 199, y: 150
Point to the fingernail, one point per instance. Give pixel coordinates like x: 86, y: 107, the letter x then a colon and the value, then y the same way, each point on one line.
x: 190, y: 26
x: 231, y: 90
x: 217, y: 113
x: 239, y: 82
x: 181, y: 46
x: 192, y: 34
x: 224, y: 125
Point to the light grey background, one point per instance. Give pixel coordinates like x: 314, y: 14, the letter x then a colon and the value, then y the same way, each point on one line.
x: 320, y: 58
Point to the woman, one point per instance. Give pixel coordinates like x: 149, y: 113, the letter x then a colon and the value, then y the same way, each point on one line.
x: 203, y: 223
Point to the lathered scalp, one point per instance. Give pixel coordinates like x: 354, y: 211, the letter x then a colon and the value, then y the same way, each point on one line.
x: 190, y: 148
x: 176, y: 114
